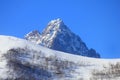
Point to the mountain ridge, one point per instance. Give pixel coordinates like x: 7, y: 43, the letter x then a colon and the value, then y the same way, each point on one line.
x: 59, y: 37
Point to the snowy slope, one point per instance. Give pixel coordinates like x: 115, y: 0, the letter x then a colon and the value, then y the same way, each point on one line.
x: 23, y: 60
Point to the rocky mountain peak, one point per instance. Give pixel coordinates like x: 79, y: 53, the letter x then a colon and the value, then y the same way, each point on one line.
x: 56, y: 25
x: 59, y: 37
x: 57, y: 22
x: 33, y: 36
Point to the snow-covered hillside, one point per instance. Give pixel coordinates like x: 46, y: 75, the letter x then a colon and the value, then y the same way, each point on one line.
x: 23, y: 60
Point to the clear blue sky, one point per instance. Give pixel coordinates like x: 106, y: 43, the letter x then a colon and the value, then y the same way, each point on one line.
x: 97, y: 22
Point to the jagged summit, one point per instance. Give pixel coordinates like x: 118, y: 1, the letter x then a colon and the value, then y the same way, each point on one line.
x: 33, y: 36
x: 52, y: 31
x: 33, y: 33
x: 58, y: 20
x: 56, y: 25
x: 59, y: 37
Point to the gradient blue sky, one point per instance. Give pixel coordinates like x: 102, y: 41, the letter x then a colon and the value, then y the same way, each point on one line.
x: 97, y: 22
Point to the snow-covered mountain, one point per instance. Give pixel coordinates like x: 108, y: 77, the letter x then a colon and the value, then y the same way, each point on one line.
x: 22, y: 60
x: 59, y: 37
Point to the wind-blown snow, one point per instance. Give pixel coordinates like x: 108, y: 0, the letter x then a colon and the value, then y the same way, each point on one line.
x: 82, y: 67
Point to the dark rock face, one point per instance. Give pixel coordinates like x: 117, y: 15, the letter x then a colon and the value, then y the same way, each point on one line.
x: 59, y: 37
